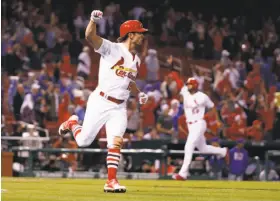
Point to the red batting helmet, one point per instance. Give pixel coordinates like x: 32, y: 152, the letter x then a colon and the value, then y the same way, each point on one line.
x: 192, y: 81
x: 131, y: 26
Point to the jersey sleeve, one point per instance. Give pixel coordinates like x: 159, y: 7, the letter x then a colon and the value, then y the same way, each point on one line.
x: 208, y: 103
x: 184, y: 90
x: 107, y: 49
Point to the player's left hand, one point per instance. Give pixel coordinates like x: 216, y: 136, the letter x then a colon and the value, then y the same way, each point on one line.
x: 96, y: 15
x: 142, y: 98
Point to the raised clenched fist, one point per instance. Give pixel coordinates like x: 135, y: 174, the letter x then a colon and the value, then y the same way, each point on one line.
x: 96, y: 15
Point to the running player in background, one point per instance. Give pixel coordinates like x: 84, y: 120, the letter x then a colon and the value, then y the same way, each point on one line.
x: 195, y: 103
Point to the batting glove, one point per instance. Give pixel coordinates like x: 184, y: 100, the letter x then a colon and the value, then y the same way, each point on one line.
x: 142, y: 98
x: 96, y: 15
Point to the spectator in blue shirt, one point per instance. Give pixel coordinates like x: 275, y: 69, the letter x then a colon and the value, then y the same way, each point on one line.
x: 238, y: 161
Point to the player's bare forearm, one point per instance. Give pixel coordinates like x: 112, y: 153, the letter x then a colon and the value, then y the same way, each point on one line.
x: 134, y: 89
x: 94, y: 40
x: 143, y: 98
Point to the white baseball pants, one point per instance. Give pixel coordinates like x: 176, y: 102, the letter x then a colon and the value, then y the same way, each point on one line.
x: 233, y: 177
x: 197, y: 140
x: 101, y: 111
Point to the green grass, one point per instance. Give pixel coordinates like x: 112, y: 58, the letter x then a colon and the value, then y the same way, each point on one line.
x: 33, y: 189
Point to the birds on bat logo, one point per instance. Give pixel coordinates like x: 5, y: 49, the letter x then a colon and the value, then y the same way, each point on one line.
x: 122, y: 71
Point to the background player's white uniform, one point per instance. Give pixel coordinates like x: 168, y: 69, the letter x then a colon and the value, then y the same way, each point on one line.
x: 118, y: 67
x: 194, y: 106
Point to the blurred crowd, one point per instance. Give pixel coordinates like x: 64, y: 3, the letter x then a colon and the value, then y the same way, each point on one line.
x: 49, y: 64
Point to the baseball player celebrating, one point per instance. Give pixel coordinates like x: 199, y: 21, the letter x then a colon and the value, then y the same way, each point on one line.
x: 195, y: 103
x: 107, y: 103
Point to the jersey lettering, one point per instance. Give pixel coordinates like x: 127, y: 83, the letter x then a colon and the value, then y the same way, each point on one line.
x: 121, y: 71
x: 195, y: 110
x: 119, y: 68
x: 238, y: 156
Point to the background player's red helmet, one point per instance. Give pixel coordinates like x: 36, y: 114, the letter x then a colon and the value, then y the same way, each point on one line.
x: 131, y: 26
x: 192, y: 81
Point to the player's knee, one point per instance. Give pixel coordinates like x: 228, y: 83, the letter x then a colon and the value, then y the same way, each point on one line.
x: 202, y: 148
x: 82, y: 142
x: 189, y: 146
x: 117, y: 142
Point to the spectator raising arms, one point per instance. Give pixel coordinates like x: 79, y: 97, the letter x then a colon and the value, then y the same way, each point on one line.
x: 27, y: 109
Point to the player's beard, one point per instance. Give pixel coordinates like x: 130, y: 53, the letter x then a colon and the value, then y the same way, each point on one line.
x: 193, y: 90
x: 137, y: 46
x: 138, y: 40
x: 137, y: 43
